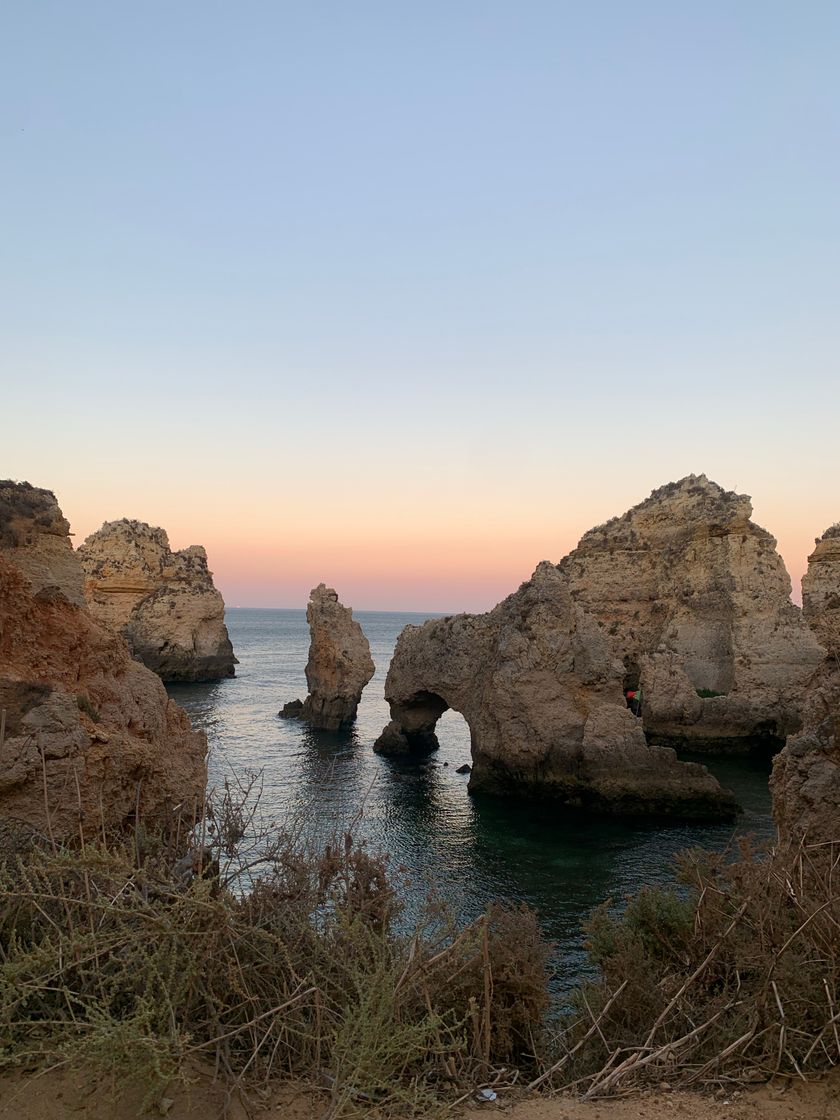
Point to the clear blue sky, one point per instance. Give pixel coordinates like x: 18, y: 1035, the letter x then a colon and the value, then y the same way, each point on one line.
x: 426, y: 275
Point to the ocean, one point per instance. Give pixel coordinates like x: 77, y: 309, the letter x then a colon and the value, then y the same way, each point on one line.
x: 468, y: 849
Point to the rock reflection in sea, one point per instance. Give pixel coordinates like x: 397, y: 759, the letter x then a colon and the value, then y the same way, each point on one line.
x: 470, y: 849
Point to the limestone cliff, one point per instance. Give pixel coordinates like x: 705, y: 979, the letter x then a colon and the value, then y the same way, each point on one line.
x: 339, y: 664
x: 90, y: 736
x: 540, y: 688
x: 162, y: 602
x: 697, y: 601
x: 806, y: 775
x: 821, y: 590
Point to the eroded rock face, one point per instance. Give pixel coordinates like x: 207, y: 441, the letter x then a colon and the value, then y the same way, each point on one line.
x: 82, y: 717
x: 339, y: 664
x: 162, y: 602
x: 806, y: 775
x: 34, y: 531
x: 697, y: 601
x: 539, y: 685
x: 821, y: 590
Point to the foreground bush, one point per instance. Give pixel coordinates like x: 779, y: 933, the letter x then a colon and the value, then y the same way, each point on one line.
x: 119, y: 956
x: 737, y: 980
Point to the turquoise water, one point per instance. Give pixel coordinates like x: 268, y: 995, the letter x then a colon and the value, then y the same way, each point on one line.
x: 470, y: 849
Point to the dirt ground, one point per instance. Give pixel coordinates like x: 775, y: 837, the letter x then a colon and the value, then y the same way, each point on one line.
x: 55, y: 1096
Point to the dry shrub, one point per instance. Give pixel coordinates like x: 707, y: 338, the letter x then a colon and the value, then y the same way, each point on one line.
x: 739, y: 980
x: 272, y: 957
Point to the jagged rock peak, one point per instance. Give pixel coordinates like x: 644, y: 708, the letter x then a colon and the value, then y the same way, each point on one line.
x: 34, y: 535
x: 164, y: 603
x: 697, y: 600
x: 339, y: 664
x: 675, y: 509
x: 90, y: 733
x: 538, y: 683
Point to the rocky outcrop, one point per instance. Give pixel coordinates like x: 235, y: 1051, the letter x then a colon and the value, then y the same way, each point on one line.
x: 821, y: 590
x: 806, y: 775
x: 339, y: 664
x: 90, y: 737
x: 33, y: 530
x: 697, y: 601
x: 539, y: 685
x: 162, y: 602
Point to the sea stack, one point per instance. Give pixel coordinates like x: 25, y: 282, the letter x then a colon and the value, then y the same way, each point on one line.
x: 539, y: 684
x: 162, y: 602
x: 806, y: 775
x: 339, y: 664
x: 696, y: 600
x: 91, y: 739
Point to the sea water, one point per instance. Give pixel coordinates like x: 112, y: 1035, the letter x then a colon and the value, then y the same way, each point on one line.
x: 469, y: 849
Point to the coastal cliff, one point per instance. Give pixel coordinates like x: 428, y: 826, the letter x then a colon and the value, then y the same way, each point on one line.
x: 806, y: 775
x: 91, y: 739
x: 696, y: 600
x: 539, y: 685
x: 162, y: 602
x: 339, y: 664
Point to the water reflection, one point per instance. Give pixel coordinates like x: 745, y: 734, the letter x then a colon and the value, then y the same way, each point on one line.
x: 473, y: 849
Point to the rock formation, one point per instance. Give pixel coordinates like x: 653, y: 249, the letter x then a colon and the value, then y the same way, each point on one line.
x: 339, y: 664
x: 539, y: 685
x: 697, y: 601
x: 162, y: 602
x: 89, y: 736
x: 806, y: 775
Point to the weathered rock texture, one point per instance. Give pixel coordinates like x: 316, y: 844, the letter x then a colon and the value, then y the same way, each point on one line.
x: 806, y: 775
x: 821, y: 590
x: 539, y: 685
x: 162, y: 602
x: 339, y: 664
x: 90, y: 734
x: 697, y: 601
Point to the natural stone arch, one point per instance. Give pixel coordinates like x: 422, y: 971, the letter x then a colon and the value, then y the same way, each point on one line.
x: 412, y: 729
x: 538, y: 683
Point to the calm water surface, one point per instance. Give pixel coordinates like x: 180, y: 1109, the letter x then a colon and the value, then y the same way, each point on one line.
x: 471, y: 849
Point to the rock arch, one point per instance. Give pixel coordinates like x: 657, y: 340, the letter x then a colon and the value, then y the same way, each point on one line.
x: 540, y: 688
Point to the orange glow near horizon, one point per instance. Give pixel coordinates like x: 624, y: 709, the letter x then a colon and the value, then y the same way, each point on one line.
x: 448, y: 566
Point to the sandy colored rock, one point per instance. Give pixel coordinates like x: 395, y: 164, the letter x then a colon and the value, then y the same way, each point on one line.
x: 821, y: 590
x: 34, y: 527
x: 81, y: 716
x: 806, y: 775
x: 162, y: 602
x: 697, y: 601
x: 539, y: 685
x: 339, y: 664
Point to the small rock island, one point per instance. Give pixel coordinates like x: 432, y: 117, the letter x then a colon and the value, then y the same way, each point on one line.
x: 163, y: 603
x: 339, y: 664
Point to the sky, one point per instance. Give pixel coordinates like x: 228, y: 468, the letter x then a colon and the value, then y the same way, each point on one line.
x: 405, y: 297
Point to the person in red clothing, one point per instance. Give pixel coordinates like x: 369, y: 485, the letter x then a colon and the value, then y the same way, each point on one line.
x: 633, y: 696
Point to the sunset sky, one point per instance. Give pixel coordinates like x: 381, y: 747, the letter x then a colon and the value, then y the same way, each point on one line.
x: 406, y: 296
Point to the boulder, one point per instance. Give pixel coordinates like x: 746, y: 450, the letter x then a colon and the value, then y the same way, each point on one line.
x: 696, y: 599
x: 339, y: 664
x: 539, y: 684
x: 162, y: 602
x: 89, y: 737
x: 806, y: 775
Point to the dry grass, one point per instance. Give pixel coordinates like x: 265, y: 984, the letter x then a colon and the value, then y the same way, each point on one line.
x: 272, y: 958
x: 737, y: 981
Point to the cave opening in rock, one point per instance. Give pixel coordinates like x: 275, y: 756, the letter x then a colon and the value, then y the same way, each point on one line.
x: 429, y: 723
